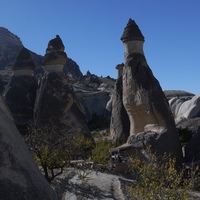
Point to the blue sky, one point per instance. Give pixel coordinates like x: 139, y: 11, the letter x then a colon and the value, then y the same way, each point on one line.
x: 91, y: 31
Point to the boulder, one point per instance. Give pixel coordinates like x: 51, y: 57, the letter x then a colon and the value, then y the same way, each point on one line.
x: 120, y: 124
x: 184, y: 95
x: 20, y: 178
x: 151, y: 119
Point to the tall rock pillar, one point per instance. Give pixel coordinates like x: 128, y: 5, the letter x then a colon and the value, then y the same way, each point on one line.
x: 56, y: 102
x: 151, y: 120
x: 20, y: 93
x: 120, y: 124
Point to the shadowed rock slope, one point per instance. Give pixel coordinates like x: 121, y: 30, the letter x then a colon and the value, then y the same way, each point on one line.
x: 20, y: 178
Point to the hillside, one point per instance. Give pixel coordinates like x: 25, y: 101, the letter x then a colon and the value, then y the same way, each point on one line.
x: 10, y: 45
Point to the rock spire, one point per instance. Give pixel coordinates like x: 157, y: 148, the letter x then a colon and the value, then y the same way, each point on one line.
x: 151, y: 120
x: 56, y: 102
x: 120, y: 124
x: 20, y: 92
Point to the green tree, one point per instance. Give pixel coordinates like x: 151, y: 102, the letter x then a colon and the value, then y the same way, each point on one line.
x: 48, y: 146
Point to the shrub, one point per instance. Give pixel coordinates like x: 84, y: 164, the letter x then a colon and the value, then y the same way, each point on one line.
x: 101, y: 151
x: 158, y: 180
x: 83, y: 146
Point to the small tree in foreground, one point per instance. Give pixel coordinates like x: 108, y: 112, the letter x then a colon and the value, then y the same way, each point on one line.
x: 48, y: 147
x: 159, y: 180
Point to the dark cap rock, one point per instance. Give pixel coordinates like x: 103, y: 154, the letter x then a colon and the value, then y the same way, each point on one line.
x: 55, y: 53
x: 55, y: 44
x: 24, y: 60
x: 132, y: 32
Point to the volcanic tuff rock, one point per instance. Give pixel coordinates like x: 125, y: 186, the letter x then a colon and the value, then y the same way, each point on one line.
x: 56, y: 102
x: 20, y: 92
x: 55, y: 55
x: 185, y: 109
x: 10, y: 46
x: 120, y: 124
x: 151, y: 120
x: 20, y: 178
x: 178, y: 93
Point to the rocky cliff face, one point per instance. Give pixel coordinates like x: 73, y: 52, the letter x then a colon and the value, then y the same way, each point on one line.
x: 20, y: 178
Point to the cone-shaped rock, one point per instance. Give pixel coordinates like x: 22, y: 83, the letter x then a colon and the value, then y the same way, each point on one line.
x: 20, y: 92
x: 24, y: 61
x: 132, y: 32
x: 151, y: 120
x: 56, y: 102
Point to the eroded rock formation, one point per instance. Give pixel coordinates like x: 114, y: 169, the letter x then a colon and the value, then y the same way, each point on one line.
x: 120, y: 124
x: 20, y: 92
x: 20, y: 178
x: 151, y: 120
x: 185, y: 109
x: 56, y: 102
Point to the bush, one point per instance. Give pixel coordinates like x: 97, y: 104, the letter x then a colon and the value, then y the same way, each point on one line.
x: 159, y: 180
x: 101, y: 151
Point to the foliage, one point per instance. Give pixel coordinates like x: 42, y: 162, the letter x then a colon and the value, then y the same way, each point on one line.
x: 159, y: 180
x: 83, y: 146
x: 101, y: 151
x: 48, y: 146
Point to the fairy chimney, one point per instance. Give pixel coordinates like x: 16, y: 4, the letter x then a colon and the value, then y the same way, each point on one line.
x: 151, y: 120
x: 20, y: 92
x: 24, y: 64
x: 55, y: 57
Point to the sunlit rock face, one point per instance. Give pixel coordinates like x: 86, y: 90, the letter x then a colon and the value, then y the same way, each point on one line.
x: 56, y: 102
x: 20, y: 178
x: 185, y: 109
x: 20, y: 92
x: 120, y: 124
x: 151, y: 120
